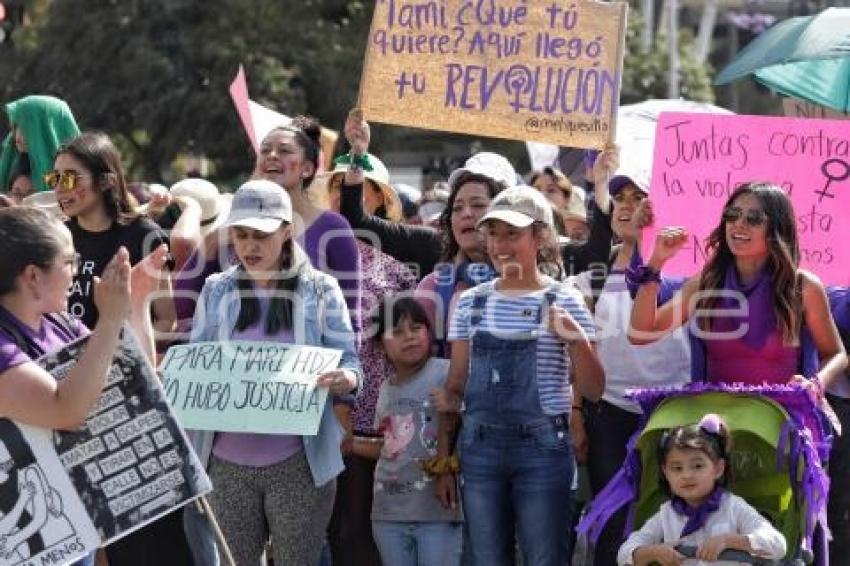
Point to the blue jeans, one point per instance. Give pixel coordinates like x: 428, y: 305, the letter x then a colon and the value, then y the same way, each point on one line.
x: 434, y: 543
x: 517, y: 480
x: 200, y: 536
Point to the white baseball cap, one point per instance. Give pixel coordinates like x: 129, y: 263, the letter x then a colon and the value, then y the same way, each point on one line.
x: 487, y: 164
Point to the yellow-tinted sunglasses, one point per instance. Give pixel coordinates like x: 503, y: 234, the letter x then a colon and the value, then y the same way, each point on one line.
x: 62, y: 182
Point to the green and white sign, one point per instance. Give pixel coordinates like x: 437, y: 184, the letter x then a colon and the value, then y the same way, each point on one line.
x: 260, y: 387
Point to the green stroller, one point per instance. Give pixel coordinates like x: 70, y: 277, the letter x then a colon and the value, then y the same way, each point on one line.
x: 779, y: 442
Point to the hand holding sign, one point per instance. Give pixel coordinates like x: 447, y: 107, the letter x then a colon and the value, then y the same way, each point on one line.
x: 605, y: 164
x: 338, y: 381
x: 357, y: 132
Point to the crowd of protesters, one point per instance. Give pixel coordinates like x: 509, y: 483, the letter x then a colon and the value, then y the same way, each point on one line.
x: 490, y: 327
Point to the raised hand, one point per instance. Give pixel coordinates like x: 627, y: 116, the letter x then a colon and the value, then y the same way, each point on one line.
x: 146, y: 276
x: 112, y: 288
x: 606, y: 163
x: 357, y: 132
x: 563, y: 325
x: 667, y: 244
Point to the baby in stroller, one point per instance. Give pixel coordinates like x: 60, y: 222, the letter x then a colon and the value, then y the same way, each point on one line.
x: 701, y: 514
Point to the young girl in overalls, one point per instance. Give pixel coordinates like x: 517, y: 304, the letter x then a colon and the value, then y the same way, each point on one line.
x: 515, y: 342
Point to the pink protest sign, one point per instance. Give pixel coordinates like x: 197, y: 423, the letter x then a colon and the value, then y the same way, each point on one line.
x: 700, y: 159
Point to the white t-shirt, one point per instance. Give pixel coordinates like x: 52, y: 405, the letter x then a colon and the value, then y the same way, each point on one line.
x: 506, y: 314
x: 664, y: 363
x: 735, y: 516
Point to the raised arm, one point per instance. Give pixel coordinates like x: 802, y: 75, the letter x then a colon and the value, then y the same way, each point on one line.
x: 408, y: 244
x: 30, y: 395
x: 649, y: 322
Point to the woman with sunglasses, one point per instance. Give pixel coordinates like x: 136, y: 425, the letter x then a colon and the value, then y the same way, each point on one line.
x: 781, y: 333
x: 89, y: 184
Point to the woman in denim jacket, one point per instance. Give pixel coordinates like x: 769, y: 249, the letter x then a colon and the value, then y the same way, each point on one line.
x: 278, y: 486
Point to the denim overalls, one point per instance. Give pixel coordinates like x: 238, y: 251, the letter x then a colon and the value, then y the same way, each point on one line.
x: 516, y: 462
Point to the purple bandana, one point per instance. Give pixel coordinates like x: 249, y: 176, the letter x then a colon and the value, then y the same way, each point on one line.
x: 697, y: 516
x: 760, y: 319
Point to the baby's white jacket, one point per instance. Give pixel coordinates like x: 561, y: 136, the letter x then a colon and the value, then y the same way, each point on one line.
x: 735, y: 516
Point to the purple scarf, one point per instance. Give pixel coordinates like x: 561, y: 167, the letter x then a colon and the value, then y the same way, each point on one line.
x: 760, y: 318
x: 697, y: 516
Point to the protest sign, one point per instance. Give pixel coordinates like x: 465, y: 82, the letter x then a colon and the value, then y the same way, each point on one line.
x: 127, y: 466
x: 519, y: 69
x: 260, y: 387
x: 701, y: 158
x: 53, y: 526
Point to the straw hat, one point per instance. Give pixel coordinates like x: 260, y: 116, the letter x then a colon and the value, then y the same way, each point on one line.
x: 214, y: 205
x: 319, y: 188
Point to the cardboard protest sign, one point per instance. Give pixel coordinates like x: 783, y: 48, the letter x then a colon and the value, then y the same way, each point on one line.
x: 127, y: 466
x: 701, y: 158
x: 796, y: 108
x: 260, y: 387
x: 519, y: 69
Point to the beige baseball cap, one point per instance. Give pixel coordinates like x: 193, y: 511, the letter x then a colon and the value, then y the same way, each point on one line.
x: 520, y: 206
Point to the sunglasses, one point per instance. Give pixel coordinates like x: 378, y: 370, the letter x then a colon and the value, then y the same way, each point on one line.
x: 63, y: 182
x: 753, y: 217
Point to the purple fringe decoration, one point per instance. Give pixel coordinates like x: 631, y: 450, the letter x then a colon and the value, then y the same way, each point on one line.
x: 619, y: 491
x: 806, y: 437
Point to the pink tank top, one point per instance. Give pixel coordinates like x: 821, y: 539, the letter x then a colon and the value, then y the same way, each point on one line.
x: 735, y: 361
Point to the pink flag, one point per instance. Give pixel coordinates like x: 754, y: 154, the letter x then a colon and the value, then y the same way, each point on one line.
x: 239, y: 95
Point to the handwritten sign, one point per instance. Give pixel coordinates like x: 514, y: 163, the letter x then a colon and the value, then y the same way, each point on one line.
x: 520, y: 69
x: 261, y: 387
x: 701, y: 158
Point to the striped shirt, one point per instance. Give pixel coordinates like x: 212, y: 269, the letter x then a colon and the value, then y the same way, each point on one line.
x: 507, y: 314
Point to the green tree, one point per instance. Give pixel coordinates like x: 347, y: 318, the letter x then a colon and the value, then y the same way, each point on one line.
x: 155, y: 74
x: 645, y: 74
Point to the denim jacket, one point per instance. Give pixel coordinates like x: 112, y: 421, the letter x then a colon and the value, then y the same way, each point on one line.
x: 320, y: 319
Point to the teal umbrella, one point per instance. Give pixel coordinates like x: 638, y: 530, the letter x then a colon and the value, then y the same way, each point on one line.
x: 806, y: 57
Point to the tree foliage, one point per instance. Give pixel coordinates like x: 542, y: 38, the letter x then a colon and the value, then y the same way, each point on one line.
x: 155, y: 73
x: 645, y: 74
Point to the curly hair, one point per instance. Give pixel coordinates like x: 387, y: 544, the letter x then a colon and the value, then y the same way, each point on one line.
x: 450, y: 245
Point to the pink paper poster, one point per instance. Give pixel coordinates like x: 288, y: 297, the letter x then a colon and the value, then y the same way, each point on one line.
x: 700, y: 159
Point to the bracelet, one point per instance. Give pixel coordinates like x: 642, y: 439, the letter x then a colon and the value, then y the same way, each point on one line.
x: 355, y: 162
x: 441, y: 465
x: 642, y: 275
